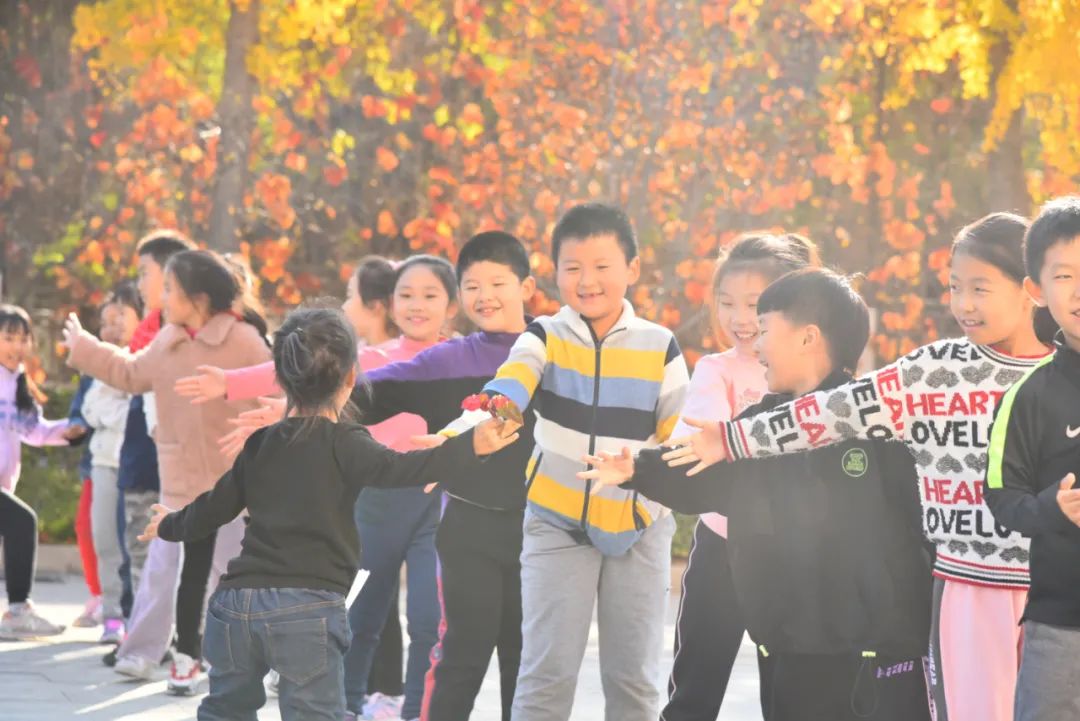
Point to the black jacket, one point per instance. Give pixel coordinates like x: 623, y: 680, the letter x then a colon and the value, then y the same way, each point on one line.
x: 1034, y: 443
x: 826, y: 547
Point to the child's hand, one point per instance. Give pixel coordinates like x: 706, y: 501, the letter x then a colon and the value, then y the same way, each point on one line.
x: 72, y: 329
x: 493, y: 435
x: 705, y: 447
x: 1068, y: 498
x: 74, y: 432
x: 207, y: 385
x: 270, y: 411
x: 150, y: 533
x: 432, y: 440
x: 233, y: 442
x: 608, y: 469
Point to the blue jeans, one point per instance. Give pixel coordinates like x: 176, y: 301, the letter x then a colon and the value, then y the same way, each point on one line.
x: 405, y: 533
x: 300, y: 633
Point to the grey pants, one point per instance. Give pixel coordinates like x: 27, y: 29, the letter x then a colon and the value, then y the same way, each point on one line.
x: 561, y: 582
x: 137, y: 514
x: 1047, y: 689
x: 106, y: 536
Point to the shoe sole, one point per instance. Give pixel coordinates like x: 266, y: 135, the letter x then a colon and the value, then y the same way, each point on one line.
x: 85, y: 624
x: 133, y: 675
x: 28, y: 636
x: 191, y: 690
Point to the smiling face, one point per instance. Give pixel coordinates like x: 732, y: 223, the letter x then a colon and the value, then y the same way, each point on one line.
x: 118, y: 323
x: 15, y: 345
x: 1059, y: 288
x: 176, y: 306
x: 593, y: 275
x: 421, y: 305
x: 736, y: 307
x: 990, y: 306
x: 494, y: 297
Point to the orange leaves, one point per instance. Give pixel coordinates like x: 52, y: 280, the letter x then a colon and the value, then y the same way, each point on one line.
x: 273, y: 191
x: 272, y: 253
x: 546, y: 202
x: 941, y: 106
x: 385, y: 159
x: 903, y: 235
x: 335, y: 173
x: 386, y: 225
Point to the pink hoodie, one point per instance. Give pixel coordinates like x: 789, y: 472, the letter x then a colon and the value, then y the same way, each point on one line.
x: 254, y: 381
x: 18, y: 428
x: 723, y: 386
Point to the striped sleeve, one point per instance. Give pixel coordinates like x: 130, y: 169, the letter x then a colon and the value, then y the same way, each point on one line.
x: 1012, y: 484
x: 519, y: 376
x: 672, y: 391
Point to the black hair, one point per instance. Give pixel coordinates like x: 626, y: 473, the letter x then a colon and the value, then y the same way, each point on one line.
x: 591, y: 219
x: 202, y: 272
x: 1058, y: 221
x: 439, y: 266
x: 125, y: 293
x: 496, y: 246
x: 375, y: 278
x: 999, y: 239
x: 162, y: 245
x: 815, y: 296
x: 766, y: 254
x: 314, y: 350
x: 14, y: 319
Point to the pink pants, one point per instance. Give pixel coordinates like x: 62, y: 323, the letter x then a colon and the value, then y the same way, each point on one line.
x: 975, y: 641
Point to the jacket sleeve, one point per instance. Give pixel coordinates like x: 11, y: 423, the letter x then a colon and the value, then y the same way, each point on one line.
x: 116, y: 366
x: 704, y: 493
x: 75, y: 414
x: 243, y: 384
x: 419, y: 386
x: 367, y: 462
x: 210, y: 510
x: 672, y: 391
x: 44, y: 432
x: 1012, y: 488
x: 518, y: 377
x: 868, y: 408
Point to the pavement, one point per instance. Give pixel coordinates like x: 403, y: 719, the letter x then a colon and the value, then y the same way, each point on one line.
x: 62, y: 678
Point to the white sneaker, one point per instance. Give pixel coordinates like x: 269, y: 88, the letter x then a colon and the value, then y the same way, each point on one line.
x: 91, y: 614
x: 379, y: 707
x: 136, y: 667
x: 22, y: 621
x: 271, y: 682
x: 186, y: 676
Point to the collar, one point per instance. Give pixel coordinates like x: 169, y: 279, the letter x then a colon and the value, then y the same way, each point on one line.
x: 414, y: 346
x: 581, y: 328
x: 833, y: 380
x: 213, y: 333
x: 8, y: 374
x: 1065, y: 355
x: 502, y: 338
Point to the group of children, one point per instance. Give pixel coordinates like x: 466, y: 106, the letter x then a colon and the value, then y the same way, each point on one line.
x: 892, y: 551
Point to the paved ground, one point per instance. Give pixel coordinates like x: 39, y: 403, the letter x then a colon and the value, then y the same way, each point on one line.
x: 64, y: 679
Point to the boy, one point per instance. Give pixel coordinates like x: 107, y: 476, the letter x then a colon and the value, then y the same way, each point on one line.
x: 826, y: 551
x: 479, y: 537
x: 600, y: 378
x: 1034, y: 460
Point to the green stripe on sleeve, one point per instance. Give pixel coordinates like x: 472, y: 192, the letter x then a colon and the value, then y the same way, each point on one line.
x: 996, y: 454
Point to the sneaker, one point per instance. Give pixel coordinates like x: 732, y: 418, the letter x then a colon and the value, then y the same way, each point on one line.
x: 22, y: 621
x: 136, y: 667
x: 186, y: 676
x: 380, y: 707
x: 114, y: 632
x: 91, y: 614
x: 271, y: 682
x: 109, y: 659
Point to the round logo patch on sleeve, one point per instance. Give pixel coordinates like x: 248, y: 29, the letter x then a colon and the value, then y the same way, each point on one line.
x: 855, y: 462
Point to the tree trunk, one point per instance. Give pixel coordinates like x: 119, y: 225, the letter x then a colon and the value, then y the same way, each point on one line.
x: 1006, y: 187
x: 236, y: 117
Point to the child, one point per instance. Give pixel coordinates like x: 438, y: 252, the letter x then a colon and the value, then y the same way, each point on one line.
x: 281, y: 604
x: 396, y: 525
x: 709, y: 626
x: 91, y: 613
x: 939, y: 401
x: 21, y: 422
x: 202, y: 327
x: 829, y: 569
x: 602, y: 378
x: 105, y: 410
x: 149, y: 624
x: 1034, y: 463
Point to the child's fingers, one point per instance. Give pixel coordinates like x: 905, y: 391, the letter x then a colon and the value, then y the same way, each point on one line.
x: 430, y: 487
x: 701, y: 466
x: 678, y: 452
x: 591, y: 460
x: 1068, y: 482
x: 160, y: 508
x: 697, y: 423
x: 590, y: 475
x: 680, y: 441
x: 683, y: 461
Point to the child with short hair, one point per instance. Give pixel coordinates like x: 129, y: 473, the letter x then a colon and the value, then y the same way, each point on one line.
x: 281, y: 605
x: 709, y: 626
x: 600, y: 378
x: 826, y: 550
x: 1033, y: 465
x: 203, y: 326
x: 105, y: 410
x: 939, y: 401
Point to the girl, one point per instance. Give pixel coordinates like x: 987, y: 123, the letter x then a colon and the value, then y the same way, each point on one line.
x: 21, y: 422
x: 939, y: 400
x: 203, y: 326
x: 281, y: 605
x: 395, y: 526
x: 91, y: 613
x: 105, y: 410
x: 709, y: 629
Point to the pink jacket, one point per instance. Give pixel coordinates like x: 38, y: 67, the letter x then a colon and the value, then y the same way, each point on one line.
x: 18, y: 428
x: 245, y: 383
x: 722, y: 387
x: 187, y: 435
